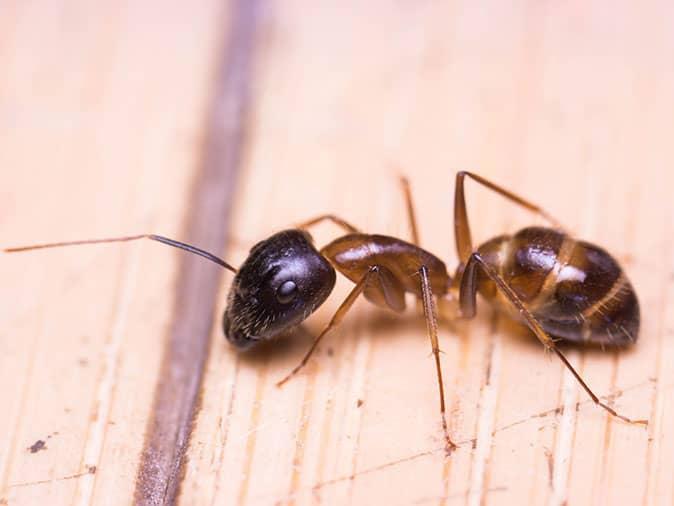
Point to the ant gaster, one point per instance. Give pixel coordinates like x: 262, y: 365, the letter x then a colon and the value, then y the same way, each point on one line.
x: 561, y: 288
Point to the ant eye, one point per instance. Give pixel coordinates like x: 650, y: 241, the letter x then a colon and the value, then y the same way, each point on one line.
x: 286, y: 292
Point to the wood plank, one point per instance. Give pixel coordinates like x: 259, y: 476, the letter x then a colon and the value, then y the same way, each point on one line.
x: 103, y: 115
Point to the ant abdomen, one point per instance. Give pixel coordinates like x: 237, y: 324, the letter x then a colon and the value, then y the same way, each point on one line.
x: 283, y: 280
x: 576, y: 290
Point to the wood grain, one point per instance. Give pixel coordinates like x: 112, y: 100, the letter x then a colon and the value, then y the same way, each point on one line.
x: 104, y: 116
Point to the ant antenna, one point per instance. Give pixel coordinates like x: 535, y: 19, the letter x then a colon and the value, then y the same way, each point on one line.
x: 158, y: 238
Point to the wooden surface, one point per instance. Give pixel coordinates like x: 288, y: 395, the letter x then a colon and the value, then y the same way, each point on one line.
x: 107, y: 120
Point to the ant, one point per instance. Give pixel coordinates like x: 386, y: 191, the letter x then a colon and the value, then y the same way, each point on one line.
x: 561, y: 288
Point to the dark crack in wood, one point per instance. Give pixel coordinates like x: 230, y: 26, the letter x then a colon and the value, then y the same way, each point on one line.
x: 176, y: 399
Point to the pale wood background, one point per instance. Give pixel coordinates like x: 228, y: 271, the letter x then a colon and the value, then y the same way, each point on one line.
x: 102, y: 117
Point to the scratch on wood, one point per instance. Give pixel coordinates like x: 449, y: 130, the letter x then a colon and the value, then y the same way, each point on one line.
x: 459, y: 495
x: 455, y: 405
x: 479, y: 474
x: 551, y: 466
x: 566, y: 431
x: 560, y: 409
x: 323, y: 450
x: 225, y: 430
x: 12, y: 437
x: 379, y: 467
x: 658, y: 394
x: 252, y: 439
x: 609, y: 425
x: 176, y: 398
x: 300, y: 439
x: 107, y: 379
x: 89, y: 470
x: 462, y: 444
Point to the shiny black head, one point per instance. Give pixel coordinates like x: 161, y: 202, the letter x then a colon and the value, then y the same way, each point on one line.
x: 283, y: 280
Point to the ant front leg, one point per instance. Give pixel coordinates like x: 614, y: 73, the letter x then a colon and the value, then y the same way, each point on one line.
x: 432, y: 327
x: 464, y: 243
x: 336, y: 320
x: 407, y: 194
x: 468, y: 303
x: 329, y: 217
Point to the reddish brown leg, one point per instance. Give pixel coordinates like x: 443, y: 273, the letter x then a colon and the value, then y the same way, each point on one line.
x: 336, y: 319
x: 467, y: 301
x: 432, y: 327
x: 464, y: 244
x: 329, y: 217
x: 158, y: 238
x: 407, y: 192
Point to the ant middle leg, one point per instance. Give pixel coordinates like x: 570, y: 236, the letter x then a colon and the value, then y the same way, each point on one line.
x: 468, y: 308
x: 432, y: 328
x: 407, y: 194
x: 464, y: 244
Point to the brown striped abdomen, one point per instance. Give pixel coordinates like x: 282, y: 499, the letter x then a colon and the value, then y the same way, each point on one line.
x: 576, y: 290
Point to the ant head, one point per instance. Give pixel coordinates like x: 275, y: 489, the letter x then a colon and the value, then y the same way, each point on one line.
x: 283, y: 280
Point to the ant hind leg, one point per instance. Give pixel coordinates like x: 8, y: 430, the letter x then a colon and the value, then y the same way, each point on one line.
x: 467, y: 302
x: 462, y: 236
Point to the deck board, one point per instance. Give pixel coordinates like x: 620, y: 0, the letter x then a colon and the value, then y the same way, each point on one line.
x: 104, y: 112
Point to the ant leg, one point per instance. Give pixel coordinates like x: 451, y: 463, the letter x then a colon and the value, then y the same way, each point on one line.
x: 153, y: 237
x: 467, y: 301
x: 407, y: 193
x: 330, y: 217
x: 336, y: 320
x: 464, y: 244
x: 432, y: 327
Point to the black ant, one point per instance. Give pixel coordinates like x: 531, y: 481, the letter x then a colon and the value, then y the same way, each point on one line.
x: 561, y: 288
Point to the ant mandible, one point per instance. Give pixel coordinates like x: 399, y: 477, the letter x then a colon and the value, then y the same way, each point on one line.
x: 561, y: 288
